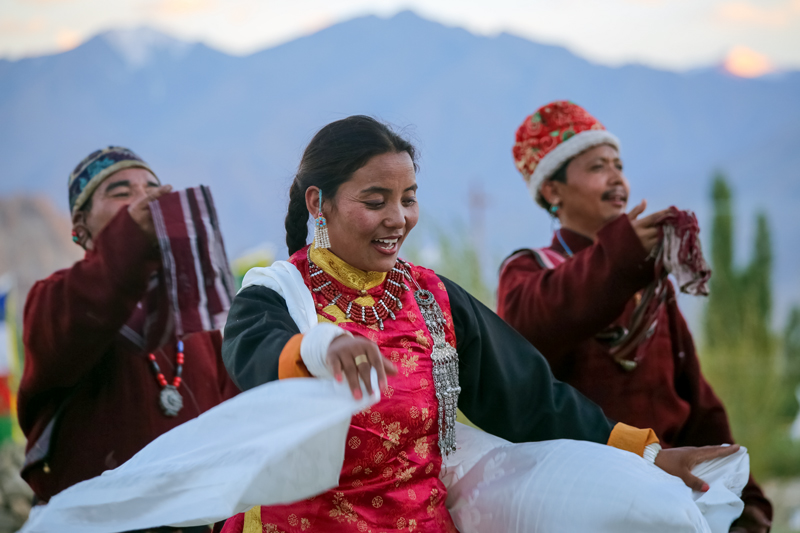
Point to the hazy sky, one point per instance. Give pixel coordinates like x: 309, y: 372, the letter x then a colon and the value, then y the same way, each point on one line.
x: 755, y: 35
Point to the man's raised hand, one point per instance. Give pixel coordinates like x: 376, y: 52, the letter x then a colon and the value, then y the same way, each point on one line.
x: 140, y: 210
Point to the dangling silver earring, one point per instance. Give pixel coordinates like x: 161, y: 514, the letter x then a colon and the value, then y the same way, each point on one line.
x: 321, y: 239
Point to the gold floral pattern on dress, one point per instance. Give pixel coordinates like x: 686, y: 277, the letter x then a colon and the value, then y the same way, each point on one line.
x: 425, y: 410
x: 375, y: 417
x: 428, y: 424
x: 357, y: 483
x: 448, y: 322
x: 342, y: 509
x: 434, y: 500
x: 403, y: 475
x: 387, y: 472
x: 388, y: 391
x: 413, y: 412
x: 401, y: 523
x: 305, y: 523
x: 422, y: 447
x: 356, y: 470
x: 392, y: 432
x: 377, y: 501
x: 412, y: 317
x: 421, y: 339
x: 378, y: 458
x: 412, y: 524
x: 271, y: 528
x: 405, y: 343
x: 411, y: 494
x: 362, y: 526
x: 367, y: 471
x: 354, y: 442
x: 441, y: 285
x: 423, y: 384
x: 293, y: 520
x: 409, y: 363
x: 429, y: 468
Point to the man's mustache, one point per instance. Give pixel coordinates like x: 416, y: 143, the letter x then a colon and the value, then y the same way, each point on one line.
x: 614, y: 192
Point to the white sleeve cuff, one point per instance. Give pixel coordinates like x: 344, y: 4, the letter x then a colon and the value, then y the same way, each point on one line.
x: 314, y: 348
x: 650, y: 452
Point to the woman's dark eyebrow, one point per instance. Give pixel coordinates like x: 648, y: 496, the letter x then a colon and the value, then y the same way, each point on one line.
x: 375, y: 188
x: 384, y: 190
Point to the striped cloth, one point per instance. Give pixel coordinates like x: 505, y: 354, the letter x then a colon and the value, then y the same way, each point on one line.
x: 198, y: 279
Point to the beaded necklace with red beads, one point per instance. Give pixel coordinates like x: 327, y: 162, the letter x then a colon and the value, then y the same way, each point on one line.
x: 368, y: 315
x: 170, y: 399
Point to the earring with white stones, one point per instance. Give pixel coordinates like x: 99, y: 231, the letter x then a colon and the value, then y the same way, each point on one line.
x: 321, y: 239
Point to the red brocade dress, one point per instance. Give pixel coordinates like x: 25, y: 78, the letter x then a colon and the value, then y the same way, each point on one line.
x: 390, y: 476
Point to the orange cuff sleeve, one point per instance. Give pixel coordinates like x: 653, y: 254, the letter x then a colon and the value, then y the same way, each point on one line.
x: 290, y: 364
x: 631, y: 439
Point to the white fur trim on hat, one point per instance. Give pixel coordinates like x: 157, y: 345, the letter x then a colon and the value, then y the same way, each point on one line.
x: 565, y: 151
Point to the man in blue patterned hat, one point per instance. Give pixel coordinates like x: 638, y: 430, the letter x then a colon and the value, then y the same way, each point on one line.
x: 104, y: 374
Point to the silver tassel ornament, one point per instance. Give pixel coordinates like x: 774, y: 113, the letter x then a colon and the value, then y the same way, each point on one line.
x: 445, y: 369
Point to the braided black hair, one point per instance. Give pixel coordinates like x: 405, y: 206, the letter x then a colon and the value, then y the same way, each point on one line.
x: 330, y: 159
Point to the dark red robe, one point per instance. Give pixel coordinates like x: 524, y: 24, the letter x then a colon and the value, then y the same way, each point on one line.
x: 76, y: 356
x: 560, y: 311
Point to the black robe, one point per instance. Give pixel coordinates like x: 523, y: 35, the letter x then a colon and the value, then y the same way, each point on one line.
x: 507, y: 388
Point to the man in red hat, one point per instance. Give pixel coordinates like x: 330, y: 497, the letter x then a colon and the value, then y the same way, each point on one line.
x: 575, y: 299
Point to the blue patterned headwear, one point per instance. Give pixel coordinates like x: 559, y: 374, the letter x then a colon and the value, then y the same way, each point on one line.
x: 96, y: 167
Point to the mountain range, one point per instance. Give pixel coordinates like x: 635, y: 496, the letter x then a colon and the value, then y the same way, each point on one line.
x: 240, y: 124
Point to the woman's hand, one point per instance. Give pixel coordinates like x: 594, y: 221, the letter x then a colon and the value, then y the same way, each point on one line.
x: 646, y: 228
x: 680, y: 461
x: 354, y: 357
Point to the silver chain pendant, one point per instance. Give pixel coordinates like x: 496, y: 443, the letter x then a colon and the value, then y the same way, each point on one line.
x: 445, y: 369
x: 171, y: 401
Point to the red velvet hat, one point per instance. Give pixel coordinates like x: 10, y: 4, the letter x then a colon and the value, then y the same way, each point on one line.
x: 553, y: 135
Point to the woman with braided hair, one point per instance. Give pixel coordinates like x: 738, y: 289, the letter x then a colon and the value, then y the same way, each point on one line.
x: 434, y: 347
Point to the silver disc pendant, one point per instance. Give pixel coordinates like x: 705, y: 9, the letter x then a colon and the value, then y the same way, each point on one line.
x: 171, y: 400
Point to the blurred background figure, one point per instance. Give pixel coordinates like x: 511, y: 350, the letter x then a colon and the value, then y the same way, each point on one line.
x: 229, y: 94
x: 104, y: 369
x: 586, y: 300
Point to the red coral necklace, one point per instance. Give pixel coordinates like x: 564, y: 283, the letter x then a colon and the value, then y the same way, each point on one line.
x: 368, y: 315
x: 170, y: 399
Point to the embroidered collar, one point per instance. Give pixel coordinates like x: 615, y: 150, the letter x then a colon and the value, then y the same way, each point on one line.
x: 349, y: 276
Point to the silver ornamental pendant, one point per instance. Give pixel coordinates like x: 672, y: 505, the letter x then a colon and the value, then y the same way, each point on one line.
x: 445, y: 370
x: 171, y: 400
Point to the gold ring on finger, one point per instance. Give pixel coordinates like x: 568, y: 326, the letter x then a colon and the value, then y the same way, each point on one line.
x: 361, y: 359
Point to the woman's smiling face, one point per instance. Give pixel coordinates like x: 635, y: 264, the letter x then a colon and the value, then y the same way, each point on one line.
x: 372, y: 213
